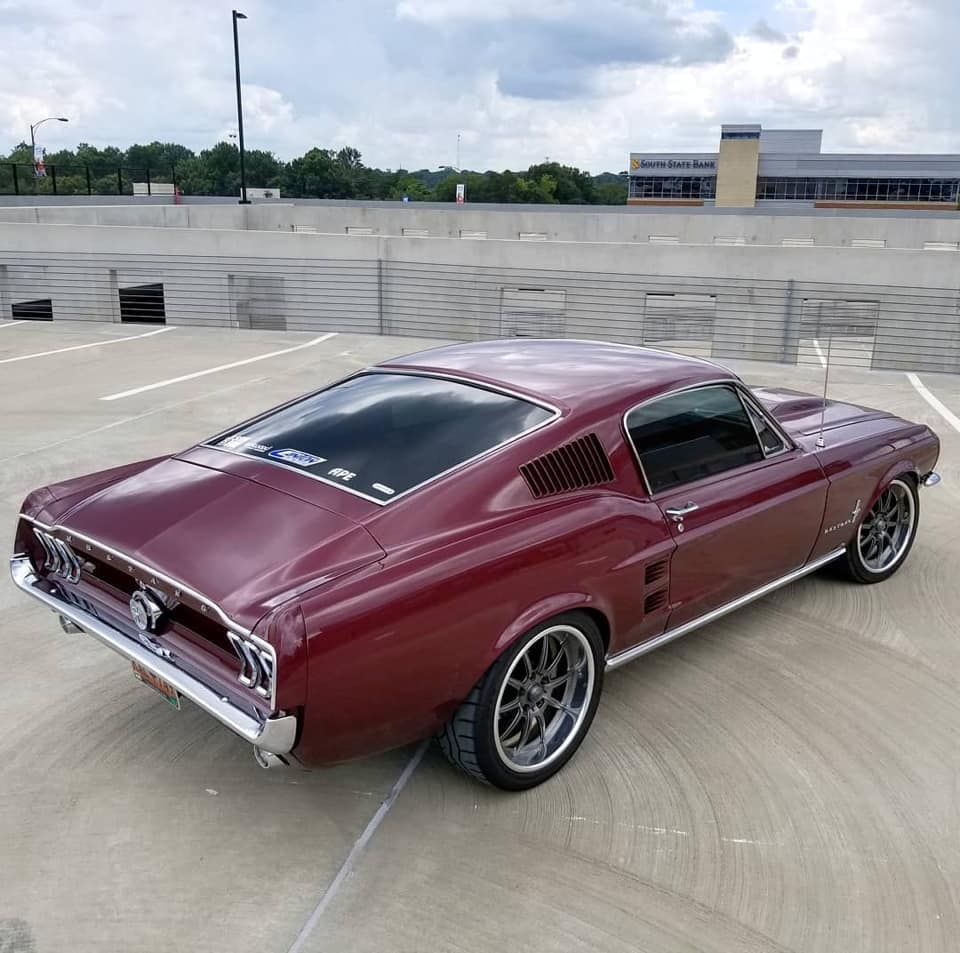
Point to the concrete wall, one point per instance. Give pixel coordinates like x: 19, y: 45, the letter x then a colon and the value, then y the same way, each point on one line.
x: 609, y: 225
x: 464, y: 289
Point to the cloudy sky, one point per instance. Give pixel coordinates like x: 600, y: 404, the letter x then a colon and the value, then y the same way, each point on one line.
x: 581, y: 81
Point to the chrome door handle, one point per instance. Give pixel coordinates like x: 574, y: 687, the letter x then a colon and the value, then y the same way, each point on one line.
x: 677, y: 513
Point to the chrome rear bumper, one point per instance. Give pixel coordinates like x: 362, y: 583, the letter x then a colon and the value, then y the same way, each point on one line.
x: 276, y: 735
x: 930, y: 479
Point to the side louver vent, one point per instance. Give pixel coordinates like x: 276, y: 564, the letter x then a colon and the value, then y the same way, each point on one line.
x: 654, y: 601
x: 574, y: 466
x: 655, y: 572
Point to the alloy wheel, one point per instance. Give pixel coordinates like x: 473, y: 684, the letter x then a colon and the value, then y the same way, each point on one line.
x: 544, y: 698
x: 887, y: 529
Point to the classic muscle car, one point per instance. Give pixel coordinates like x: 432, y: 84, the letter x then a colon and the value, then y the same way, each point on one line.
x: 460, y: 542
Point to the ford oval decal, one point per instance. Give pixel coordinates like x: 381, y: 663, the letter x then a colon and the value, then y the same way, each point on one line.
x: 299, y: 457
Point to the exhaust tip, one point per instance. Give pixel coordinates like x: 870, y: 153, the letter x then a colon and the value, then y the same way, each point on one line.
x: 69, y: 627
x: 267, y: 759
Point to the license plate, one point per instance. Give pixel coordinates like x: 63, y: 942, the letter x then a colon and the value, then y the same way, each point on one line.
x: 157, y: 684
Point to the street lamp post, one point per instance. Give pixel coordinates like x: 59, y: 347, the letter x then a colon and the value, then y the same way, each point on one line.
x: 236, y: 62
x: 33, y: 137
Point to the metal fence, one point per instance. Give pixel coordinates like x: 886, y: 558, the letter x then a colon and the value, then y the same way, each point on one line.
x: 791, y: 321
x: 19, y: 178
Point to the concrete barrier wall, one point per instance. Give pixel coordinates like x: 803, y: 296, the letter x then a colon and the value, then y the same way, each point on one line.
x: 728, y: 301
x: 609, y: 225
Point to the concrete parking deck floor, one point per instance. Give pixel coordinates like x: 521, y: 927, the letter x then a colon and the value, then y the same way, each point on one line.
x: 787, y: 779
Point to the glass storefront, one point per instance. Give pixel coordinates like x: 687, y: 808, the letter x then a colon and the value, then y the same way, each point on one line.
x: 857, y: 190
x: 672, y: 187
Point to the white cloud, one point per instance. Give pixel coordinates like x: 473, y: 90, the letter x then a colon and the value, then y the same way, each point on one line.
x: 581, y: 81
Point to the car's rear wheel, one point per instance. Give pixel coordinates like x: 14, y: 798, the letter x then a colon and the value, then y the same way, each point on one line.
x: 529, y: 713
x: 885, y: 534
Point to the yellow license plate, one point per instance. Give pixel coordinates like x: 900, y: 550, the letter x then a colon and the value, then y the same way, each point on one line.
x: 157, y: 684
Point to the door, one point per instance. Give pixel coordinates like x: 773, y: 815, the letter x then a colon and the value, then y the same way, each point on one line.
x: 743, y: 504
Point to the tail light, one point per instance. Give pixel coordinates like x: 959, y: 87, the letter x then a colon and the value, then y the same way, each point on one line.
x: 59, y: 557
x: 257, y: 664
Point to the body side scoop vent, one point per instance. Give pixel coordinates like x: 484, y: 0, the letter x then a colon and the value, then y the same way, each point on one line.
x: 655, y: 572
x: 576, y: 465
x: 655, y: 602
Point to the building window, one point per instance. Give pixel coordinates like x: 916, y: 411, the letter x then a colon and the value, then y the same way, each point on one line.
x: 787, y: 188
x: 750, y: 134
x: 672, y: 187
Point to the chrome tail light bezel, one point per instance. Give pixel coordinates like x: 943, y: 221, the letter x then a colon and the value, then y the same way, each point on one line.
x: 258, y: 664
x: 59, y: 556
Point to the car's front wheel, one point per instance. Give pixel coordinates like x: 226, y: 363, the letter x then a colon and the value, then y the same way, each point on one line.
x: 529, y: 713
x: 885, y: 534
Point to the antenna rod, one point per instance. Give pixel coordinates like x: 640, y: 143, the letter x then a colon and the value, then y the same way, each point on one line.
x: 821, y: 443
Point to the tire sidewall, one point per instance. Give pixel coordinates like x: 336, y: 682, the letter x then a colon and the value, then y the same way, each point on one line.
x: 496, y: 770
x: 857, y: 567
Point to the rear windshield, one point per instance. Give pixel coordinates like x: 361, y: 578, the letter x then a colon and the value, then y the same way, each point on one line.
x: 382, y: 434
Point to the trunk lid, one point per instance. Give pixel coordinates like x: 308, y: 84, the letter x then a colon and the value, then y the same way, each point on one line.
x: 245, y: 546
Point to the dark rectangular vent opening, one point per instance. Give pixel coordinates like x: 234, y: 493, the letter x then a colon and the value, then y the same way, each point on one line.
x: 655, y: 572
x: 41, y: 310
x: 143, y: 304
x: 576, y: 465
x: 655, y: 601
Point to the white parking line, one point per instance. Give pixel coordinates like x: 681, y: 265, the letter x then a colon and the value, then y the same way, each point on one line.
x: 80, y: 347
x: 10, y: 324
x: 819, y: 350
x: 948, y: 415
x: 347, y: 866
x: 217, y: 369
x: 128, y: 420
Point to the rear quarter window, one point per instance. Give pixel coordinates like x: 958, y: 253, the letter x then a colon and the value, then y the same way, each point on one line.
x: 381, y: 434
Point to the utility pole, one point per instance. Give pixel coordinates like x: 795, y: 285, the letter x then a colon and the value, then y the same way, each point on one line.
x: 33, y: 138
x: 236, y: 62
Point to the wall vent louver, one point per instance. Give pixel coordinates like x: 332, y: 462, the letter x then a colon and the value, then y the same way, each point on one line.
x: 576, y: 465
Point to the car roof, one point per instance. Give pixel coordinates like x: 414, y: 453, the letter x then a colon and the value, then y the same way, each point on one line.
x: 578, y: 374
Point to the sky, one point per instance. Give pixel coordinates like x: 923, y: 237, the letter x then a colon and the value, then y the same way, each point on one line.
x: 583, y: 82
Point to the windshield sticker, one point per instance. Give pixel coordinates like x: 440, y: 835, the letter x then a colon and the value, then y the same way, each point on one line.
x: 299, y: 457
x: 241, y: 441
x: 380, y: 488
x: 341, y: 474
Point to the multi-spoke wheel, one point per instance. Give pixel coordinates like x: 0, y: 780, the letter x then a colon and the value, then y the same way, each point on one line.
x: 885, y: 533
x: 529, y: 713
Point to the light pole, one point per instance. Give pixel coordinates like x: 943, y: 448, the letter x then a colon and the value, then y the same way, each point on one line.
x: 33, y: 135
x: 236, y: 62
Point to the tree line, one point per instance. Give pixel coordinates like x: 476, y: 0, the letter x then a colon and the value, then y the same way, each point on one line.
x: 319, y: 173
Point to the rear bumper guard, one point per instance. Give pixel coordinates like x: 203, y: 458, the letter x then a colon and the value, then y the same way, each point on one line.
x: 276, y: 734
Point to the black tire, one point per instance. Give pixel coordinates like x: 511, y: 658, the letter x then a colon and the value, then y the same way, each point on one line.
x: 472, y: 739
x: 855, y: 564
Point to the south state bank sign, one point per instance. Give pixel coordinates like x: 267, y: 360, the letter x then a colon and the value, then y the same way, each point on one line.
x: 672, y: 165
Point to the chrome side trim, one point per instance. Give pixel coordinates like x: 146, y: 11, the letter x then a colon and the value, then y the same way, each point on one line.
x: 931, y: 479
x: 628, y: 655
x: 276, y: 734
x: 480, y: 385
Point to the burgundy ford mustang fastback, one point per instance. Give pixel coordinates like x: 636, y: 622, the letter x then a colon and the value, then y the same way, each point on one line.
x: 461, y: 541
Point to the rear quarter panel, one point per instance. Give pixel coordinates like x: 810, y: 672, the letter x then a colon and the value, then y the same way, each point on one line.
x: 394, y: 650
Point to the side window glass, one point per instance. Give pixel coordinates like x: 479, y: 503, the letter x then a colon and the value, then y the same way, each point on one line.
x: 769, y: 438
x: 692, y: 435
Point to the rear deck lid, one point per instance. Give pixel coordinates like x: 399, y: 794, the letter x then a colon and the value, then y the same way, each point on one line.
x: 245, y: 546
